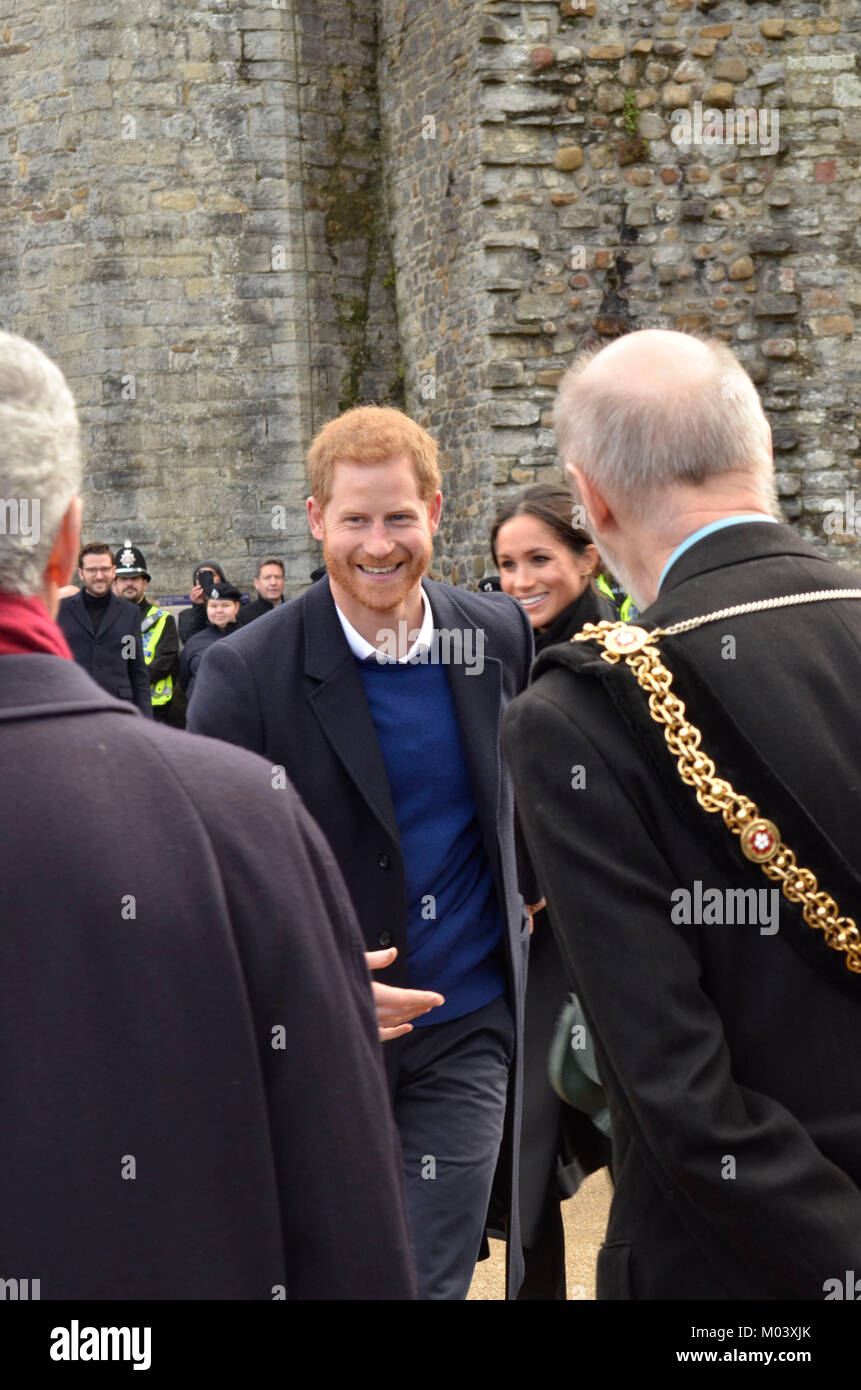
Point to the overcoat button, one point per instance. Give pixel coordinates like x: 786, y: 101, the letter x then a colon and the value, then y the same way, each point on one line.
x: 384, y: 939
x: 385, y: 862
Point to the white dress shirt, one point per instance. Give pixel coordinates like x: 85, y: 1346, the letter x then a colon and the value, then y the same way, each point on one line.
x: 362, y: 649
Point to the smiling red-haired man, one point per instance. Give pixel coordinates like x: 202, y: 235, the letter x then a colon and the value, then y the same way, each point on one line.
x: 380, y: 693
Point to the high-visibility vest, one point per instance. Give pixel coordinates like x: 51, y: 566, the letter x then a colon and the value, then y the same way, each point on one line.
x: 151, y: 629
x: 622, y: 602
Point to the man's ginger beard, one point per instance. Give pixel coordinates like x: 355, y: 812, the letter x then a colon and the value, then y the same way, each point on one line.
x: 383, y: 598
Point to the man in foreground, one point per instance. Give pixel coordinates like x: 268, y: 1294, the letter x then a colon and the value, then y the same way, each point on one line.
x: 379, y: 693
x: 722, y: 1021
x: 192, y: 1100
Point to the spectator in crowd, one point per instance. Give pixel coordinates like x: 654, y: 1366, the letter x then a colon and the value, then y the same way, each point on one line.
x: 724, y: 1018
x: 548, y: 565
x: 192, y: 1103
x: 104, y: 632
x: 364, y: 692
x: 269, y: 583
x: 222, y: 610
x: 193, y: 619
x: 158, y: 630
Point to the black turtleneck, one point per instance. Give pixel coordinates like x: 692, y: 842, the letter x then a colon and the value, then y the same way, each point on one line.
x: 590, y: 607
x: 97, y: 608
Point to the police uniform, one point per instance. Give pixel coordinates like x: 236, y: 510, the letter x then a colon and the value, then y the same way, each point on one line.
x: 158, y: 636
x: 622, y: 602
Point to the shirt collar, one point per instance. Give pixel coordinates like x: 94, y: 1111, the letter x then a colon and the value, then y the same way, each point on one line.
x: 706, y: 531
x: 362, y: 649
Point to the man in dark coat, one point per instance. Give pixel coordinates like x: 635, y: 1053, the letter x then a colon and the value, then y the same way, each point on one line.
x: 269, y: 583
x: 380, y: 695
x: 193, y: 1103
x: 104, y: 631
x: 722, y: 1021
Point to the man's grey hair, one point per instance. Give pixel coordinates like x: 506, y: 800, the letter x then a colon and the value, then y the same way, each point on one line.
x: 40, y: 462
x: 632, y: 443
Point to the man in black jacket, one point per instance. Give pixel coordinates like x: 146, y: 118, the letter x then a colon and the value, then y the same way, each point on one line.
x: 722, y: 1020
x: 104, y: 632
x: 192, y: 1100
x: 269, y: 583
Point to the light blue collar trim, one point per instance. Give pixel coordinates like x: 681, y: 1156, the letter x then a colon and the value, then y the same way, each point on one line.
x: 706, y: 531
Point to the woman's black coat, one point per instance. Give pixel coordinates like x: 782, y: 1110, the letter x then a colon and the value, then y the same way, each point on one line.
x: 559, y: 1145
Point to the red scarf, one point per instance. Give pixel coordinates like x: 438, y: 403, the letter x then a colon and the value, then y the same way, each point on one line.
x: 25, y: 627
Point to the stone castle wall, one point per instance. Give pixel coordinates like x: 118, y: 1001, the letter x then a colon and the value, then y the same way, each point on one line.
x: 614, y: 226
x: 214, y: 287
x: 227, y: 222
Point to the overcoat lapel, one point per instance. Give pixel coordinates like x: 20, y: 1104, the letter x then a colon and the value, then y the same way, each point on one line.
x: 113, y: 612
x: 339, y: 703
x: 82, y: 612
x: 478, y: 706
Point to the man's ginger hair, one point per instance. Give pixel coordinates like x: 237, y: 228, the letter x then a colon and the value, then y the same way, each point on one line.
x: 370, y: 434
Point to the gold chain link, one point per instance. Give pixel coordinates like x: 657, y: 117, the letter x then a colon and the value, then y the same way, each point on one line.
x: 761, y: 841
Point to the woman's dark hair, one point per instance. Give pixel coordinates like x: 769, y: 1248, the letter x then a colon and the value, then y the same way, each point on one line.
x: 550, y: 503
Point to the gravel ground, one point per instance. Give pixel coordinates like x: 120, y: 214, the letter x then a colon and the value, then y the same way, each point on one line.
x: 585, y: 1217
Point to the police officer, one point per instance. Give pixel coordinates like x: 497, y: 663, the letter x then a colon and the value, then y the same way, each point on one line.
x: 158, y: 630
x: 622, y: 602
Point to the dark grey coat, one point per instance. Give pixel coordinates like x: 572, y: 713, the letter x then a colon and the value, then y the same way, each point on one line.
x: 727, y: 1053
x: 287, y: 687
x: 165, y: 913
x: 101, y: 653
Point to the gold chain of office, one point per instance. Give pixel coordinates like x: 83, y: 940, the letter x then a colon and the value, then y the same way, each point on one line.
x: 761, y: 841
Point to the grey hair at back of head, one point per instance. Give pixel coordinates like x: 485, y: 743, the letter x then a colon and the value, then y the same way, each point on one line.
x: 40, y: 462
x: 631, y: 442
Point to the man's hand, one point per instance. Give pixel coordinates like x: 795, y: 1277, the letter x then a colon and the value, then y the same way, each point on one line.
x: 395, y: 1006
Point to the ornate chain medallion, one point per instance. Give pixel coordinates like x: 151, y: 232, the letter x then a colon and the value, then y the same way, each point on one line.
x: 760, y: 839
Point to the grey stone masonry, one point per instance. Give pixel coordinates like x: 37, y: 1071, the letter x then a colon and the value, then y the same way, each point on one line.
x: 229, y: 221
x: 690, y: 166
x: 211, y: 283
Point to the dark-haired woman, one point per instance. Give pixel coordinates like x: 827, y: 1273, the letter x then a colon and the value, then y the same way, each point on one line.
x: 548, y: 565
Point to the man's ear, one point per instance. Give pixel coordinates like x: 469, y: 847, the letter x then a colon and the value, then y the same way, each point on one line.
x: 435, y: 512
x: 769, y: 442
x: 597, y: 510
x: 64, y: 553
x: 315, y: 518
